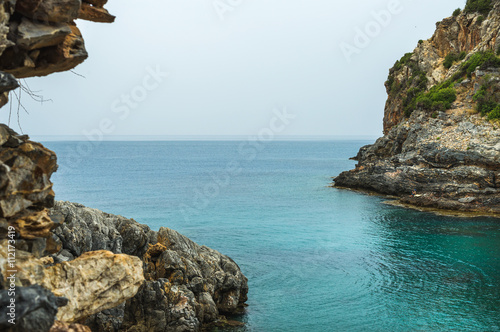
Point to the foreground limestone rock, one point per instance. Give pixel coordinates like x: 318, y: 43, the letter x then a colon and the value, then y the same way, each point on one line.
x: 93, y: 282
x: 62, y: 251
x: 99, y: 261
x: 65, y: 327
x: 186, y: 286
x: 450, y: 158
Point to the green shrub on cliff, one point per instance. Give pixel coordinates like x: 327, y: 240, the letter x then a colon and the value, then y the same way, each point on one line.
x: 453, y: 57
x: 448, y: 60
x: 403, y: 61
x: 488, y: 98
x: 495, y: 114
x: 418, y: 77
x: 457, y: 12
x: 479, y: 6
x: 439, y: 98
x: 483, y: 60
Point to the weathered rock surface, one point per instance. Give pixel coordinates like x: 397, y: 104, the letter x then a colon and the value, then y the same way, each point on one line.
x: 95, y: 281
x: 451, y: 158
x: 454, y: 34
x: 95, y: 14
x: 55, y: 11
x: 65, y: 327
x: 25, y: 188
x: 452, y: 163
x: 40, y: 37
x: 97, y: 261
x: 32, y: 35
x: 7, y: 82
x: 35, y: 309
x: 186, y: 286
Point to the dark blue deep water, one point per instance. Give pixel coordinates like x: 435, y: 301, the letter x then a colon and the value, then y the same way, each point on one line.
x: 317, y: 258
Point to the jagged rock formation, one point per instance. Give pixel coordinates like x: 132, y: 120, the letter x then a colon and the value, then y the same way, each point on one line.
x: 25, y: 170
x: 74, y: 264
x: 40, y: 37
x: 112, y: 272
x: 449, y: 155
x: 186, y: 286
x: 35, y: 308
x: 464, y: 33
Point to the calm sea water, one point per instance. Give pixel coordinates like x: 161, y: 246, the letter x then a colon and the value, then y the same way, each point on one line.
x: 317, y: 258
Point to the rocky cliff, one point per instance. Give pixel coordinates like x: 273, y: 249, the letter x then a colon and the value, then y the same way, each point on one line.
x: 40, y: 37
x: 441, y: 143
x: 65, y: 267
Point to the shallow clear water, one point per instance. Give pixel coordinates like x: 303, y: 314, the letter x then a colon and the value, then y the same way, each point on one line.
x: 317, y: 258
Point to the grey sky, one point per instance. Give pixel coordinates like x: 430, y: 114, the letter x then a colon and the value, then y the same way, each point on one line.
x: 227, y: 75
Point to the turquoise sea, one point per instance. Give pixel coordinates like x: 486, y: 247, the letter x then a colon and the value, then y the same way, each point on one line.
x: 317, y: 258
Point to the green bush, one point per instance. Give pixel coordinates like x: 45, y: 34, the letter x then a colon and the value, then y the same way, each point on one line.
x: 403, y: 61
x: 479, y: 6
x: 448, y: 60
x: 482, y: 60
x: 424, y: 102
x: 495, y: 114
x: 486, y: 106
x: 498, y: 50
x: 487, y: 100
x: 480, y: 94
x: 420, y: 41
x: 480, y: 19
x: 446, y: 96
x: 457, y: 12
x: 439, y: 98
x: 453, y: 57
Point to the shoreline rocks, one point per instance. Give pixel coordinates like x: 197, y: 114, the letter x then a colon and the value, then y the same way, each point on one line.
x: 444, y: 159
x: 187, y: 285
x: 108, y: 271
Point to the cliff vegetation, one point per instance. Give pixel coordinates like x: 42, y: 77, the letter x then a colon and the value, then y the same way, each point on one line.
x: 441, y: 119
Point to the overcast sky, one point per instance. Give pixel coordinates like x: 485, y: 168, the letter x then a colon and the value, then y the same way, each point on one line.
x: 232, y: 66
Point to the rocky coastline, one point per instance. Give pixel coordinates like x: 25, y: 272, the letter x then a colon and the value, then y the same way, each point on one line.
x: 65, y: 267
x: 440, y: 154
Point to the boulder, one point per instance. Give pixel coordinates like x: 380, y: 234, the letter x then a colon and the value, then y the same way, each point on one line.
x: 32, y: 35
x: 62, y: 57
x: 94, y: 282
x: 44, y: 11
x: 65, y: 327
x: 95, y: 14
x: 25, y: 188
x: 7, y: 83
x: 187, y: 285
x: 35, y: 309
